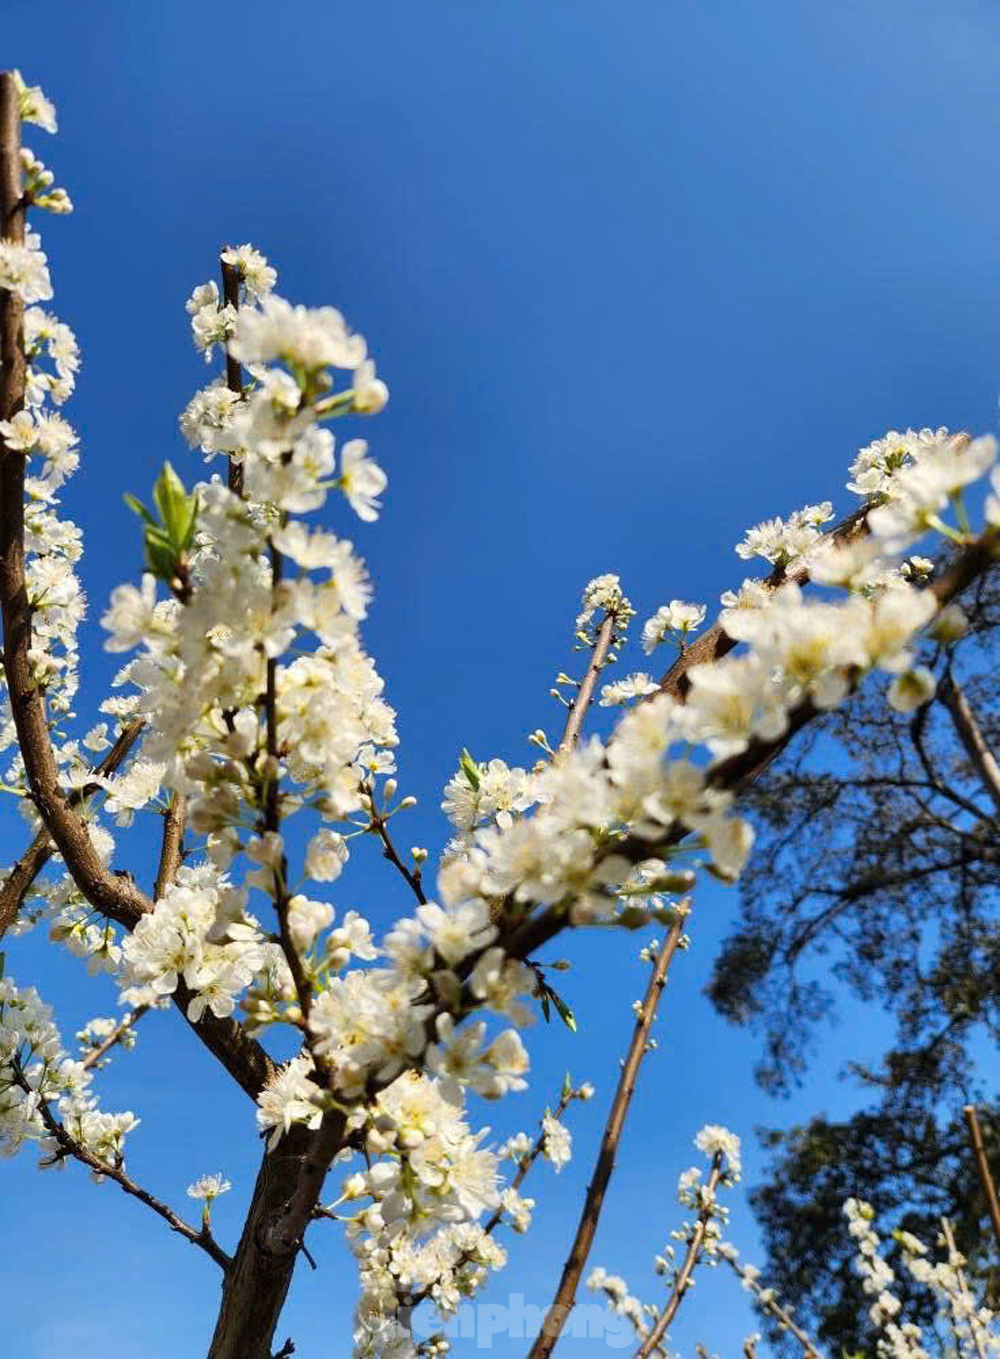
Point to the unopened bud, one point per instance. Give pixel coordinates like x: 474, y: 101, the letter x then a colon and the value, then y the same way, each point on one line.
x: 409, y: 801
x: 419, y: 855
x: 390, y: 789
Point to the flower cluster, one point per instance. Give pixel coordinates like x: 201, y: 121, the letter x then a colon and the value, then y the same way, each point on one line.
x: 35, y: 1073
x: 970, y: 1326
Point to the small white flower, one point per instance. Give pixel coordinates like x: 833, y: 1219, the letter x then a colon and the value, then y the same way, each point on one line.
x: 209, y: 1187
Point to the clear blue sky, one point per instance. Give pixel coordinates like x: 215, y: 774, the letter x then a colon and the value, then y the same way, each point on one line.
x: 638, y: 275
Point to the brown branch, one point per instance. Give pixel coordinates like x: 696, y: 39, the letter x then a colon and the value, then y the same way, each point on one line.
x: 69, y: 1146
x: 779, y: 1313
x: 19, y: 880
x: 115, y: 1036
x: 983, y: 1166
x: 413, y: 877
x: 585, y: 693
x: 971, y: 736
x: 694, y: 1249
x: 172, y: 846
x: 234, y: 373
x: 565, y: 1296
x: 97, y: 882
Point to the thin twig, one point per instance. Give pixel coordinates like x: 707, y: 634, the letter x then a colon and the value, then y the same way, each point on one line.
x: 115, y: 1036
x: 694, y: 1249
x: 917, y: 727
x: 234, y: 372
x: 378, y: 827
x: 69, y: 1146
x: 585, y: 693
x: 983, y: 1166
x: 770, y: 1304
x: 565, y: 1296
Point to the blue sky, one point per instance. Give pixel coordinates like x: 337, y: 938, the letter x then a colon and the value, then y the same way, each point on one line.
x: 638, y: 275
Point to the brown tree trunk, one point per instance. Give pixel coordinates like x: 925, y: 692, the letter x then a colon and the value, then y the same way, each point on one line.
x: 255, y: 1288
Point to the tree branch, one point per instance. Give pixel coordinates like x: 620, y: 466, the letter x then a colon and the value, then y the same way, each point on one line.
x: 413, y: 877
x: 716, y: 643
x: 769, y: 1304
x: 234, y: 372
x: 19, y: 880
x: 115, y: 1036
x: 971, y: 736
x: 652, y: 1340
x: 172, y: 847
x: 983, y: 1166
x: 968, y: 1308
x: 69, y: 1146
x: 565, y: 1296
x: 585, y: 693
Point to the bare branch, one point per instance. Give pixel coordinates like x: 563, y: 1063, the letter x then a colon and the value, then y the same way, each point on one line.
x: 971, y: 736
x: 379, y: 827
x: 565, y: 1296
x: 983, y: 1166
x: 172, y: 847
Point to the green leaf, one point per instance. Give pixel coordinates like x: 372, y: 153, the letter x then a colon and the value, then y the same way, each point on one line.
x: 544, y: 993
x: 567, y: 1088
x: 176, y: 507
x: 137, y: 507
x: 469, y: 768
x: 565, y: 1013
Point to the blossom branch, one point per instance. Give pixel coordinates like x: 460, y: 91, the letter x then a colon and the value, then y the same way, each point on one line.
x: 968, y: 1307
x: 234, y: 370
x: 983, y: 1166
x: 585, y: 693
x: 68, y: 1146
x: 694, y: 1249
x: 716, y: 642
x: 971, y: 736
x: 565, y: 1296
x: 19, y: 880
x: 772, y: 1306
x: 115, y: 1036
x: 377, y: 825
x: 117, y: 897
